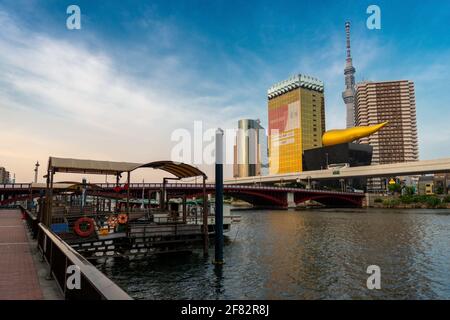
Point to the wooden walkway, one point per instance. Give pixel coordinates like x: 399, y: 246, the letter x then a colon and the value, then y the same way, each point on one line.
x: 18, y: 276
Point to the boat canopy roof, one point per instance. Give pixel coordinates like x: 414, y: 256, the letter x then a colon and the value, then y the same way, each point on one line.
x: 179, y: 169
x: 83, y: 166
x: 89, y: 166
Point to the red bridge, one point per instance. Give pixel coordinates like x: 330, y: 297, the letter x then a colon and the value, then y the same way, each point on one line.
x: 259, y: 196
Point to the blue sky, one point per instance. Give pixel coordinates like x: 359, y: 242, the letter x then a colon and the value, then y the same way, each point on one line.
x: 137, y: 70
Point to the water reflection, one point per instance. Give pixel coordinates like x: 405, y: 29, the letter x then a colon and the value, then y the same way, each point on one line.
x: 317, y: 254
x: 218, y: 272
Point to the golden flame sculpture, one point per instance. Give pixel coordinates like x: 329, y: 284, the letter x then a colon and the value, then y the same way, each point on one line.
x: 338, y: 136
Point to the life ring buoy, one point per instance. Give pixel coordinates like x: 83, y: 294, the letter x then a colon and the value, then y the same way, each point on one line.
x: 112, y: 221
x: 84, y: 227
x: 122, y: 218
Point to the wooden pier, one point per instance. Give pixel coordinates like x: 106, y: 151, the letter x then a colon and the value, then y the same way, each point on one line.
x: 34, y: 261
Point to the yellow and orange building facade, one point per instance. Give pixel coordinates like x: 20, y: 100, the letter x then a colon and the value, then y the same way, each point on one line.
x: 296, y: 111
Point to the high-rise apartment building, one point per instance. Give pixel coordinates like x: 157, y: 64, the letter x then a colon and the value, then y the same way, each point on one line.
x: 349, y: 93
x: 392, y: 101
x: 250, y: 150
x: 296, y: 121
x: 4, y: 175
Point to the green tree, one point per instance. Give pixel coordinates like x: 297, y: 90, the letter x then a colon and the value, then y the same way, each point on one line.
x: 439, y: 189
x: 395, y: 188
x: 409, y: 190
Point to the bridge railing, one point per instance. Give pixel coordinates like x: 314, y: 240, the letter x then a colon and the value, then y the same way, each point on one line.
x: 94, y: 285
x: 15, y: 185
x: 26, y: 186
x: 211, y: 185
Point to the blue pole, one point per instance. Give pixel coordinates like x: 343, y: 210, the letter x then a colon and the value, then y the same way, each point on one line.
x: 83, y: 194
x: 219, y: 199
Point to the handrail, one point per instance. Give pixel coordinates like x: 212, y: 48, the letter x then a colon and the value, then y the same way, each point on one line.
x: 59, y: 255
x: 32, y: 221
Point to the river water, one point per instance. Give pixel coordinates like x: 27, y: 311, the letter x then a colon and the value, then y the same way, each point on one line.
x: 309, y: 254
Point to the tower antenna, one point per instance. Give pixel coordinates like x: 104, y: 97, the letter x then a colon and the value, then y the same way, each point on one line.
x: 348, y: 95
x: 347, y: 35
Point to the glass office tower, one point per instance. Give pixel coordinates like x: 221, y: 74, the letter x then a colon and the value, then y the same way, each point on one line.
x: 250, y: 150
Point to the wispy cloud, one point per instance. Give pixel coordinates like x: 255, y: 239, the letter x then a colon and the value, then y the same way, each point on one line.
x: 63, y: 98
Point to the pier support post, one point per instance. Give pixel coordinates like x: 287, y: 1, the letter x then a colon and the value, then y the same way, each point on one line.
x: 218, y: 259
x: 83, y: 194
x: 184, y: 208
x: 290, y: 200
x: 46, y: 201
x: 163, y: 195
x: 50, y: 200
x: 205, y: 220
x: 128, y: 193
x: 116, y: 202
x: 128, y: 204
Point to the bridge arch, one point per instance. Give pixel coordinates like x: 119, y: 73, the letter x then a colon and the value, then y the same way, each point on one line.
x: 330, y: 200
x: 259, y: 198
x: 252, y: 196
